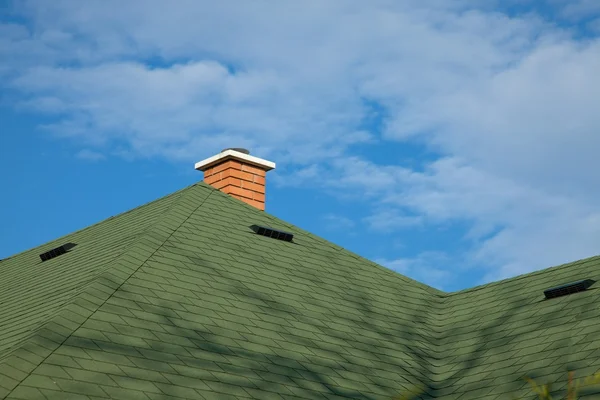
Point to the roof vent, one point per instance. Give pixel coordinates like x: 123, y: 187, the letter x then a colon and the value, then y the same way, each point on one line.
x: 568, y: 288
x: 57, y: 251
x: 272, y: 233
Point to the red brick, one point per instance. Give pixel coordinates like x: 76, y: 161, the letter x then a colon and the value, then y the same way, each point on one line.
x: 256, y: 204
x: 226, y: 165
x: 254, y: 170
x: 258, y: 196
x: 209, y: 172
x: 238, y: 191
x: 246, y: 176
x: 259, y: 179
x: 227, y: 182
x: 237, y: 197
x: 212, y: 178
x: 242, y: 181
x: 253, y: 186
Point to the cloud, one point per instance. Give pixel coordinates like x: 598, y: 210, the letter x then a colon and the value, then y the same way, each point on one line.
x: 578, y: 9
x: 594, y: 25
x: 338, y: 222
x: 90, y: 155
x: 508, y: 100
x: 512, y: 228
x: 188, y: 109
x: 288, y: 83
x: 389, y: 220
x: 430, y: 268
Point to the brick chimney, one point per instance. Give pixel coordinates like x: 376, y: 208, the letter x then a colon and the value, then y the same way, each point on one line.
x: 235, y: 172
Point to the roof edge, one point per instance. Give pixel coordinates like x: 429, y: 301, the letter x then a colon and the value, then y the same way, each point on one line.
x: 527, y: 275
x: 56, y: 242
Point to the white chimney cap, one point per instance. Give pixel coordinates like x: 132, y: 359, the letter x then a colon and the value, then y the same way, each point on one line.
x: 232, y: 154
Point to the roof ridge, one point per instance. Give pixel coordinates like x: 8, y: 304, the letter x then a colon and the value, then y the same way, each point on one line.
x: 527, y: 275
x: 430, y: 323
x: 18, y: 363
x: 314, y: 237
x: 50, y: 244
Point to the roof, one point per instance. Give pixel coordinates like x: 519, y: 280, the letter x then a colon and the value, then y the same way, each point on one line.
x: 180, y: 299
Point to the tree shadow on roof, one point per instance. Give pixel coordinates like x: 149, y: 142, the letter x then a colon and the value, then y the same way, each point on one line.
x: 232, y: 337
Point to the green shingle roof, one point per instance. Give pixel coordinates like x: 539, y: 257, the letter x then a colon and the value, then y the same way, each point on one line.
x: 179, y: 299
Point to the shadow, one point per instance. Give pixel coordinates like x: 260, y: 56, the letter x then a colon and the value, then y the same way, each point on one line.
x: 195, y: 327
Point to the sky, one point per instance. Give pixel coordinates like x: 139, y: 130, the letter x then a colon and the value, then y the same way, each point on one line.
x: 453, y: 141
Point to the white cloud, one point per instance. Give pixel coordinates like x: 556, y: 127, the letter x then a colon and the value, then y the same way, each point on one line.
x: 594, y: 26
x: 338, y: 222
x: 430, y: 268
x: 388, y: 220
x: 515, y: 228
x: 190, y: 109
x: 90, y: 155
x: 297, y: 76
x: 510, y: 102
x: 578, y: 9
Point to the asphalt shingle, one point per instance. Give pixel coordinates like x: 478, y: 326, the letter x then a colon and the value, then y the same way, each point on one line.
x: 180, y: 299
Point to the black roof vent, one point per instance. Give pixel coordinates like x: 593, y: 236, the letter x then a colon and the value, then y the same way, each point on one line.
x: 57, y: 251
x: 568, y: 288
x: 272, y: 233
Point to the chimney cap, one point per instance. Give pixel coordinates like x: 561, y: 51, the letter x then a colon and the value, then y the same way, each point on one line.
x: 234, y: 154
x: 238, y: 149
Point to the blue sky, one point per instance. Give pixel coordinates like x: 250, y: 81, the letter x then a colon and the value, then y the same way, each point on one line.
x: 452, y: 143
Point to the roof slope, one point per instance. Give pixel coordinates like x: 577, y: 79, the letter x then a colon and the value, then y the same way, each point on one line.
x: 180, y: 299
x: 31, y: 291
x: 495, y: 334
